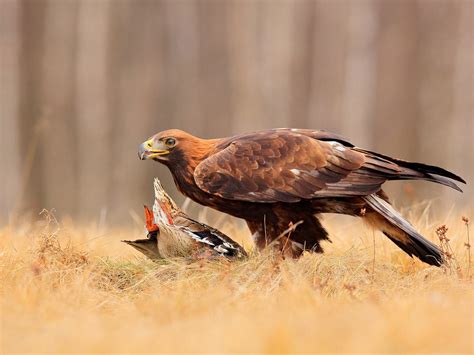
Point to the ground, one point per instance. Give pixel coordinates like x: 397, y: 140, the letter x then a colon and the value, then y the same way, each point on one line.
x: 67, y: 288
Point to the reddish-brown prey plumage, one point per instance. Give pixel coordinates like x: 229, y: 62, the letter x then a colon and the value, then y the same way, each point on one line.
x: 276, y: 178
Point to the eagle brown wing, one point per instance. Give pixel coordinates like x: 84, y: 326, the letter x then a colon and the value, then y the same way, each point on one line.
x: 285, y: 166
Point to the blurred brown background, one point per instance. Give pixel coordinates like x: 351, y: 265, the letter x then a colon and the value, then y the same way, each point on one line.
x: 84, y: 82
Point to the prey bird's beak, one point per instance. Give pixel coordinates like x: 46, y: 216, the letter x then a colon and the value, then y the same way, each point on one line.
x: 149, y: 247
x: 150, y: 150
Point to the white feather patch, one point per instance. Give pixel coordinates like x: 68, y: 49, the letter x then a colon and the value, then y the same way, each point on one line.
x: 338, y: 146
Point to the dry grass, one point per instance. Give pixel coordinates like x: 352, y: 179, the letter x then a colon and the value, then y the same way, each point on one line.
x: 77, y: 289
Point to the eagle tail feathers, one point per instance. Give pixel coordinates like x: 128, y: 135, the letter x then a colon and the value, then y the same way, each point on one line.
x: 402, y: 233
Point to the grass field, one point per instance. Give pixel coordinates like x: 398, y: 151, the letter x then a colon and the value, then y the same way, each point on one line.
x: 67, y: 288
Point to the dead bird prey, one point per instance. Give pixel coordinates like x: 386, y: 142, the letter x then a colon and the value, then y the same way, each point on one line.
x: 278, y: 177
x: 149, y: 245
x: 175, y: 234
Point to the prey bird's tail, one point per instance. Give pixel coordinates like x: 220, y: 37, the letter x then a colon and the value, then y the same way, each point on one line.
x: 384, y: 217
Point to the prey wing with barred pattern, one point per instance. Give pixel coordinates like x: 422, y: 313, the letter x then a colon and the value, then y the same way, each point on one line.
x: 216, y: 241
x: 211, y: 237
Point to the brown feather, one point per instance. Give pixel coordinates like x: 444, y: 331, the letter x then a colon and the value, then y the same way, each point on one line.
x: 286, y: 175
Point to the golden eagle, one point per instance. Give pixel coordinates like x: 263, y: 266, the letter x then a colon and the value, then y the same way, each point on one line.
x: 278, y: 177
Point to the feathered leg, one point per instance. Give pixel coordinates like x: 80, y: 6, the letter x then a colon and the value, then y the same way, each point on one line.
x: 290, y: 230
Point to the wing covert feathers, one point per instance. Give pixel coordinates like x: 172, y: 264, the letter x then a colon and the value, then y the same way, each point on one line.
x: 283, y: 167
x: 210, y: 237
x: 289, y: 165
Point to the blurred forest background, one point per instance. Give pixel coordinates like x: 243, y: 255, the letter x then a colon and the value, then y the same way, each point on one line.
x: 83, y: 83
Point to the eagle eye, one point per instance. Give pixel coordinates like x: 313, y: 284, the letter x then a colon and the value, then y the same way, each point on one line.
x: 170, y: 142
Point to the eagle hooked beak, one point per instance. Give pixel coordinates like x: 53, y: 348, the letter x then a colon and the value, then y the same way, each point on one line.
x: 152, y: 150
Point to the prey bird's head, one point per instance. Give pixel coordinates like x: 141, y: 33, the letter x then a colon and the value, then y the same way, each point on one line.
x: 148, y: 246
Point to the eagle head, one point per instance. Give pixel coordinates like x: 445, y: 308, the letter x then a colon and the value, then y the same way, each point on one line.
x: 160, y: 146
x: 173, y: 146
